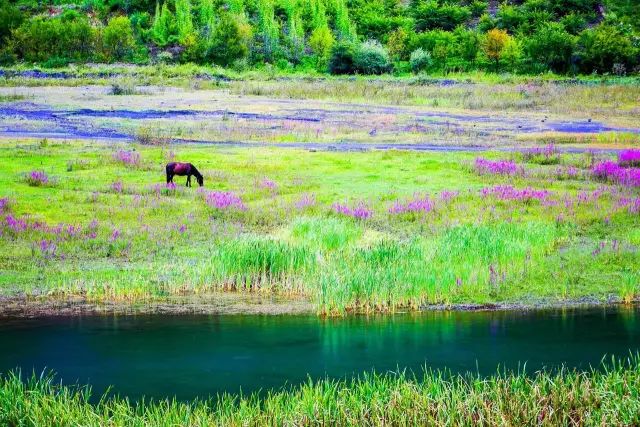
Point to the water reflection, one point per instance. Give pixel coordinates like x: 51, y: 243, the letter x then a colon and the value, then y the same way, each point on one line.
x: 190, y: 356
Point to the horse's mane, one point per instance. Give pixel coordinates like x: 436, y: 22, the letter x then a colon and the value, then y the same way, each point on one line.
x: 195, y: 171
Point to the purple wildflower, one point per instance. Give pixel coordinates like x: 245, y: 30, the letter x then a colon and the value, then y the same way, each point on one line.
x: 47, y: 249
x: 629, y: 158
x: 37, y: 178
x: 416, y: 205
x: 127, y: 157
x: 4, y: 204
x: 489, y: 167
x: 611, y: 171
x: 547, y: 154
x: 307, y: 200
x: 224, y: 200
x: 268, y: 184
x: 116, y: 187
x: 14, y: 224
x: 361, y: 211
x: 507, y: 192
x: 115, y: 234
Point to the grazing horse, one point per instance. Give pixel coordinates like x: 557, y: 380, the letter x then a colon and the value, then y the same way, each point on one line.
x: 182, y: 169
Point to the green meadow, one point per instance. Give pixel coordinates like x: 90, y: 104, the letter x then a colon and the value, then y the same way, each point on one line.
x: 349, y: 231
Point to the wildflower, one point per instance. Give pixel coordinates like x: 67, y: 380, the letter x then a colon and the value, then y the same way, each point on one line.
x: 116, y: 187
x: 115, y: 234
x: 629, y: 158
x: 268, y: 184
x: 306, y: 201
x: 14, y: 224
x: 490, y: 167
x: 37, y: 178
x: 416, y: 205
x: 127, y: 157
x: 224, y: 200
x: 507, y: 192
x: 611, y: 171
x: 361, y: 211
x: 4, y: 204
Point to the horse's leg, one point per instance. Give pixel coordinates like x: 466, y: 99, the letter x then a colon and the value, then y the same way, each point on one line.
x: 188, y: 180
x: 169, y: 177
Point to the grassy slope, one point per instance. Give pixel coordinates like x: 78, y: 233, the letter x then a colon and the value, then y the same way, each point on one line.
x: 608, y: 397
x: 467, y: 250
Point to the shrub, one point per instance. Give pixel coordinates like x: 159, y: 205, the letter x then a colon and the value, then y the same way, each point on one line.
x: 430, y: 15
x: 230, y: 40
x: 603, y: 46
x: 420, y: 60
x: 494, y: 45
x: 321, y: 43
x: 40, y: 39
x: 372, y: 58
x: 551, y: 46
x: 117, y: 39
x: 37, y: 178
x: 10, y: 19
x: 342, y: 58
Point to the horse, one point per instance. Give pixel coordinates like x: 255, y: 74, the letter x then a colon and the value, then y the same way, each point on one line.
x: 182, y: 169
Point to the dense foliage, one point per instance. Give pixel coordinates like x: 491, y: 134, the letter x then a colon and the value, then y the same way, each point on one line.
x: 340, y: 36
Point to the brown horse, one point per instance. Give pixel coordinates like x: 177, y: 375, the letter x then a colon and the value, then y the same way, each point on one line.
x: 182, y: 169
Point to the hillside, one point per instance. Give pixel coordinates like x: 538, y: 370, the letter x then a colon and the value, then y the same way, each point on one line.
x: 338, y: 36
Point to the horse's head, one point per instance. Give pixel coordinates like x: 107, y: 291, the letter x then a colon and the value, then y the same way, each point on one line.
x: 200, y: 180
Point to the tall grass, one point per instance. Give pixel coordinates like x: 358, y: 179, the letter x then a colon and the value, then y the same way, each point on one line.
x: 605, y: 396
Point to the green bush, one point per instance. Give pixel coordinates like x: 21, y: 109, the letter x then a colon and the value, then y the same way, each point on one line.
x: 117, y: 39
x: 40, y: 39
x: 430, y: 15
x: 605, y: 45
x: 372, y: 58
x: 230, y: 40
x: 342, y: 58
x: 552, y: 47
x: 420, y: 60
x: 10, y: 19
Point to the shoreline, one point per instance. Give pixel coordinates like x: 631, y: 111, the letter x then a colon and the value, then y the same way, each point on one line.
x: 264, y: 305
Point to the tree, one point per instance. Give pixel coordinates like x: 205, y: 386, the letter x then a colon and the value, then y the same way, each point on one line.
x: 371, y: 58
x: 551, y: 46
x: 344, y: 28
x: 230, y: 41
x: 268, y: 31
x: 10, y: 18
x: 163, y: 27
x: 117, y: 39
x: 321, y: 43
x: 494, y: 44
x: 397, y: 45
x: 605, y: 45
x: 342, y: 57
x: 184, y: 22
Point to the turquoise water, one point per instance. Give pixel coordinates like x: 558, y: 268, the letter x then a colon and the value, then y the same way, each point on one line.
x: 197, y: 356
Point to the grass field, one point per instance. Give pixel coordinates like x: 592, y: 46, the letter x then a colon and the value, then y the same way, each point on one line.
x: 599, y: 397
x: 351, y: 231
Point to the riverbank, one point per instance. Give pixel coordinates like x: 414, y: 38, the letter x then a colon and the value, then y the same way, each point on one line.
x: 227, y: 303
x: 598, y: 397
